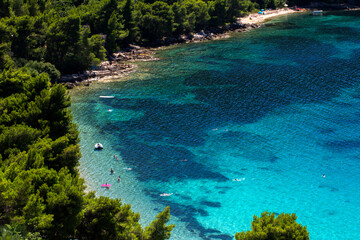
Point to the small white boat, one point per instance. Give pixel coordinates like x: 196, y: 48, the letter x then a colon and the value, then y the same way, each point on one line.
x: 318, y: 12
x: 166, y: 194
x: 106, y: 96
x: 98, y: 146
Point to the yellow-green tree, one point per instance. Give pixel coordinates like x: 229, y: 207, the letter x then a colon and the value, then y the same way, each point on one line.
x: 269, y: 227
x: 158, y: 230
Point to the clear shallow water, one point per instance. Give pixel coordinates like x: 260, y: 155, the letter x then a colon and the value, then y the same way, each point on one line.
x: 275, y: 107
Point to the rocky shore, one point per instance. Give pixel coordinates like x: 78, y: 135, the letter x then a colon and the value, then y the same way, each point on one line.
x: 122, y: 63
x: 119, y: 64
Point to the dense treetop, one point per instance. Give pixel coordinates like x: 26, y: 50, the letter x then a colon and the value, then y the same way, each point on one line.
x: 73, y: 35
x: 41, y: 193
x: 269, y: 227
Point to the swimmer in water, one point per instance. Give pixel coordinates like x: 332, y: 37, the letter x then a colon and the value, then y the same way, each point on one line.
x: 237, y: 179
x: 323, y: 176
x: 119, y: 179
x: 111, y: 171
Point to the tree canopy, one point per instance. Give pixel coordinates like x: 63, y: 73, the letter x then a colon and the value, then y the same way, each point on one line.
x: 71, y: 36
x: 74, y: 35
x: 269, y: 227
x: 41, y: 192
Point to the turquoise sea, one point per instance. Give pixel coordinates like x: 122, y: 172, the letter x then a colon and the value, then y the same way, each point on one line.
x: 276, y: 108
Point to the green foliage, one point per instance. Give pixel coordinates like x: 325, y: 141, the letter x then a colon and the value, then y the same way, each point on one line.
x: 28, y: 39
x: 17, y: 137
x: 106, y: 218
x: 217, y: 12
x: 4, y: 8
x: 271, y: 3
x: 96, y: 45
x: 155, y: 20
x: 247, y: 6
x: 237, y: 8
x: 40, y: 188
x: 19, y: 8
x: 98, y: 13
x: 6, y: 34
x: 46, y: 201
x: 37, y: 68
x: 17, y: 232
x: 71, y: 48
x: 198, y: 13
x: 129, y: 21
x: 74, y: 35
x: 63, y: 44
x: 158, y: 230
x: 269, y: 227
x: 181, y: 23
x: 11, y: 82
x: 116, y: 34
x: 276, y: 3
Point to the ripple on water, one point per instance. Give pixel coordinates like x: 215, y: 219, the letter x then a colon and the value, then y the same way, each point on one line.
x: 276, y: 107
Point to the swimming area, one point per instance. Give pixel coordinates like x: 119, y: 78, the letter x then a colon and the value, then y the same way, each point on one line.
x: 275, y: 108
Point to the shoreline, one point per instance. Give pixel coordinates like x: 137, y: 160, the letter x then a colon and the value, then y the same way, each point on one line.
x: 256, y: 18
x: 259, y: 180
x: 123, y: 62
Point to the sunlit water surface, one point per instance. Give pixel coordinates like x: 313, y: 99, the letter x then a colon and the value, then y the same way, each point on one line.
x: 275, y: 108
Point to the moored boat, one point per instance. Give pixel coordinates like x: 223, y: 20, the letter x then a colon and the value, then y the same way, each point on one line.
x: 106, y: 96
x: 318, y: 12
x: 98, y: 146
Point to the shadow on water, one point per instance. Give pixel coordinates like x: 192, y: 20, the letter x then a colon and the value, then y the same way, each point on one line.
x: 282, y: 25
x: 155, y: 143
x: 159, y: 163
x: 188, y: 213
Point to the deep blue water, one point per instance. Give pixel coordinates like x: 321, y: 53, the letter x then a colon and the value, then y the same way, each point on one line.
x: 276, y: 107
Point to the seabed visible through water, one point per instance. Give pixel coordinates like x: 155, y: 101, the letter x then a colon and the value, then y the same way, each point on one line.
x: 275, y: 108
